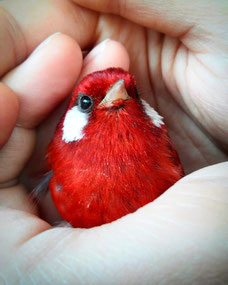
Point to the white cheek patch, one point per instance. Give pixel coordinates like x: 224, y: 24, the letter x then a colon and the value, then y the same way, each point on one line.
x: 73, y: 125
x: 155, y: 117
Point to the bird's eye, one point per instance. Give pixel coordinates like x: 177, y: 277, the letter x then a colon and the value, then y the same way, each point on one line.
x: 85, y: 103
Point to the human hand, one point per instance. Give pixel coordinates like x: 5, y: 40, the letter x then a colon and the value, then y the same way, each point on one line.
x: 188, y: 223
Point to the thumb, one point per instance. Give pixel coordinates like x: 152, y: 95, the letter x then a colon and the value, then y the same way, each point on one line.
x: 180, y: 238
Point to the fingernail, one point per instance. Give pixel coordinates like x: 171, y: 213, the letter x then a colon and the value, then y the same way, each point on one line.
x: 95, y: 51
x: 45, y: 42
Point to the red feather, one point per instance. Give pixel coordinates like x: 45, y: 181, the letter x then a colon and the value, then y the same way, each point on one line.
x: 122, y: 163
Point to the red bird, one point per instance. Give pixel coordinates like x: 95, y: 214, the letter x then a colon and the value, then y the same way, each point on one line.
x: 111, y: 152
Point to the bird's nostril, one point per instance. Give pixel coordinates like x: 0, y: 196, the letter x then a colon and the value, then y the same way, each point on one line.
x: 116, y: 108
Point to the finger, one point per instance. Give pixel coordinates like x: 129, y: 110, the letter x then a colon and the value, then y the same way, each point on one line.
x: 108, y: 53
x: 24, y: 225
x: 13, y: 51
x: 45, y: 78
x: 24, y: 25
x: 15, y: 154
x: 16, y: 197
x: 175, y: 18
x: 8, y: 112
x: 179, y: 238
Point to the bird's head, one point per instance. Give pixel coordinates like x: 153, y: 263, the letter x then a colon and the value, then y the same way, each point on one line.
x: 103, y: 102
x: 98, y: 96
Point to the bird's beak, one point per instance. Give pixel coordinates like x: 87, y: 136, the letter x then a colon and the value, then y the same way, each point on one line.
x: 116, y: 92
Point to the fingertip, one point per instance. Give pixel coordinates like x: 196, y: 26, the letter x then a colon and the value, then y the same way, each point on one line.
x: 9, y: 108
x: 45, y: 78
x: 108, y: 53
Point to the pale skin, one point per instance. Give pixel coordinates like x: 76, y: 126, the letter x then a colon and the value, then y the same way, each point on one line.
x: 179, y: 55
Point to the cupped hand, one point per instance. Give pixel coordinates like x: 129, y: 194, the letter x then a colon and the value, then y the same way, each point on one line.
x: 179, y: 58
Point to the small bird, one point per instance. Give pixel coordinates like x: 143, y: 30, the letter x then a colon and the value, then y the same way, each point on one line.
x: 111, y: 153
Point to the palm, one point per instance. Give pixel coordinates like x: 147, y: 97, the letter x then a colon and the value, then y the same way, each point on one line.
x: 184, y: 99
x: 181, y: 86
